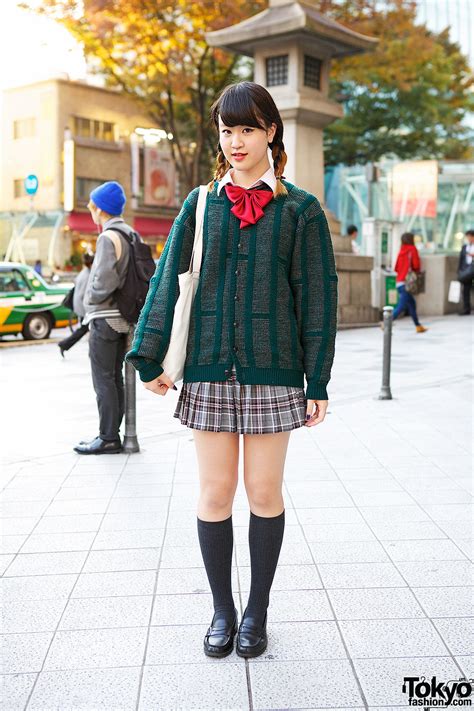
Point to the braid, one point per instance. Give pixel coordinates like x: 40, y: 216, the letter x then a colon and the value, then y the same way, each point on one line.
x: 279, y: 161
x: 222, y: 166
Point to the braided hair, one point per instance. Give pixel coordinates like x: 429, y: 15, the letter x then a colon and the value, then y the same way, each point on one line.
x: 249, y: 104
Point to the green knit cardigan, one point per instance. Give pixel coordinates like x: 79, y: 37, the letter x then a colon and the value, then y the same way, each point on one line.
x: 266, y: 300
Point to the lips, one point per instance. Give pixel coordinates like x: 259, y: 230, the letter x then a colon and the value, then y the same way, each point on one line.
x: 239, y: 155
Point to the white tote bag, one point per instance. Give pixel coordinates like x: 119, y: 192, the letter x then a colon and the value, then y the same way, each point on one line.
x: 454, y: 293
x: 173, y: 363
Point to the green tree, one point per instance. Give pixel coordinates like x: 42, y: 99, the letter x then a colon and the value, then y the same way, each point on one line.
x: 407, y: 98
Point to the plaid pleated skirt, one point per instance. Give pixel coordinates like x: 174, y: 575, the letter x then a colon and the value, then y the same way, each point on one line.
x: 229, y: 406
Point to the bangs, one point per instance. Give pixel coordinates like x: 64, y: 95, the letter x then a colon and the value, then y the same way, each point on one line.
x: 237, y: 108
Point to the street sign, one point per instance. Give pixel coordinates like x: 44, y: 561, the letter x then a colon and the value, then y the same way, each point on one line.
x: 31, y: 184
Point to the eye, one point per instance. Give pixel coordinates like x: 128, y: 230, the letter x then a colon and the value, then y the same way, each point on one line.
x: 248, y: 129
x: 225, y: 130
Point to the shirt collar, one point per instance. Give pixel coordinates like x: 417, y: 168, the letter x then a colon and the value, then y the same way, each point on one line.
x: 268, y: 178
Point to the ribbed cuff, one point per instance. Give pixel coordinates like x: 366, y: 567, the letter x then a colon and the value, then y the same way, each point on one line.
x: 147, y: 369
x: 316, y: 391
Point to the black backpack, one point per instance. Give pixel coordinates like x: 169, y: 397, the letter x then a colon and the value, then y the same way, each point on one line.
x: 141, y: 267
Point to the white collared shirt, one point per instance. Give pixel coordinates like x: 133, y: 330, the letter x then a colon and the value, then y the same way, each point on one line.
x: 268, y: 177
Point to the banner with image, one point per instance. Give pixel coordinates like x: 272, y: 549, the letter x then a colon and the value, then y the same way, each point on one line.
x: 415, y: 189
x: 160, y: 178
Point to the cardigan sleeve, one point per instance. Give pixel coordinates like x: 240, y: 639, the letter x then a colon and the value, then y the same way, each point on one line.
x: 153, y: 331
x: 313, y: 281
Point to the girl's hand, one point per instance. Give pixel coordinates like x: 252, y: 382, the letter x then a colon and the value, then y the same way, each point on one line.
x: 316, y: 409
x: 160, y: 385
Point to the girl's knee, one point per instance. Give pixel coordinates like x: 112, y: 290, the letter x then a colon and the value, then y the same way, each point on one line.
x: 263, y: 498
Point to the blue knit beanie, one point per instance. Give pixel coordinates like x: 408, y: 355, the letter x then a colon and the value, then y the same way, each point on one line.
x: 109, y: 197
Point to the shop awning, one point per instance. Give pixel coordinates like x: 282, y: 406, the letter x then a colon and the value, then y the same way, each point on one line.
x: 152, y: 226
x: 81, y: 222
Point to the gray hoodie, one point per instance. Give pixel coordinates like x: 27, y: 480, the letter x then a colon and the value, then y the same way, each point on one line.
x: 107, y: 273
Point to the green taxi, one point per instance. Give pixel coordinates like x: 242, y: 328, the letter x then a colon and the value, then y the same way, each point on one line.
x: 28, y: 305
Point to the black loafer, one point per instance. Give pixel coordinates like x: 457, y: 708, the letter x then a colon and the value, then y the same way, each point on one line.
x: 219, y: 638
x: 99, y: 446
x: 252, y: 638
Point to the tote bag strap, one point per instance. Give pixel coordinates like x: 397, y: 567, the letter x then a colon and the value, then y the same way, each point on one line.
x: 196, y: 257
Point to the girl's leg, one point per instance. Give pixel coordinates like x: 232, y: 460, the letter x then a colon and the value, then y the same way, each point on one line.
x: 264, y: 462
x: 218, y: 459
x: 411, y: 303
x: 402, y: 301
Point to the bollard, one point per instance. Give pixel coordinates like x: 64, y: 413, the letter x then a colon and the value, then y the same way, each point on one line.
x: 130, y: 441
x: 386, y: 393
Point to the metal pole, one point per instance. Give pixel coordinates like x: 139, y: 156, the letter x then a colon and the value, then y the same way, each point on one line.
x: 130, y: 441
x: 385, y: 392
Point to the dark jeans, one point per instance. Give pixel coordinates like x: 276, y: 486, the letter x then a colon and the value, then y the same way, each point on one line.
x: 107, y: 352
x: 466, y: 296
x: 75, y: 336
x: 406, y: 301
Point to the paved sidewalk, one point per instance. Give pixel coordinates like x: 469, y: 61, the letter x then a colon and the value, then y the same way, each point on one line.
x: 105, y: 598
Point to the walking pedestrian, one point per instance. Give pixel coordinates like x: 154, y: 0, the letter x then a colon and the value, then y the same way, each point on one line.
x: 408, y: 259
x: 108, y: 328
x: 264, y: 316
x: 80, y: 286
x: 38, y: 267
x: 466, y: 272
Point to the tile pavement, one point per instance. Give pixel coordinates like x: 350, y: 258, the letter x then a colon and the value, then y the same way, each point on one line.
x: 104, y: 596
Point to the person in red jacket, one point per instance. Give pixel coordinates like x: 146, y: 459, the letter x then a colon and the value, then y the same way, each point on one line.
x: 408, y: 258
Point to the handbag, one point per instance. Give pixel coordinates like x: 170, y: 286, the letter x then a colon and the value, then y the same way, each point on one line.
x: 466, y: 274
x: 414, y: 281
x: 173, y: 363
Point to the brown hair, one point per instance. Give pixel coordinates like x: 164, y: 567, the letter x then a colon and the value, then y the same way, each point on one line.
x: 249, y: 104
x: 408, y: 238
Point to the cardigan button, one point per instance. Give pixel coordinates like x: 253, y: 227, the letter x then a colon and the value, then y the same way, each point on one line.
x: 237, y: 271
x: 235, y: 323
x: 236, y: 298
x: 235, y: 349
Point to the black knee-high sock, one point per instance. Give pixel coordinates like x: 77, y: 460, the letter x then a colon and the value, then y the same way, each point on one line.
x: 265, y: 539
x: 216, y: 539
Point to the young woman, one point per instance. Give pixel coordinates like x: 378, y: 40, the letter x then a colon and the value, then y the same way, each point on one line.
x: 408, y: 258
x: 264, y: 316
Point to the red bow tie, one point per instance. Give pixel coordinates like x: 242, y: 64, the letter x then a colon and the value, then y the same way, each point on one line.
x: 248, y: 204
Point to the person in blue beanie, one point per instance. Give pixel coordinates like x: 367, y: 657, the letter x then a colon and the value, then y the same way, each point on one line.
x: 108, y: 328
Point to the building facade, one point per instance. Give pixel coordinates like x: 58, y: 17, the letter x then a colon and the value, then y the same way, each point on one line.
x: 74, y: 136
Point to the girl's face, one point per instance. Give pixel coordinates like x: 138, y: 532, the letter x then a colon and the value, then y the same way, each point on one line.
x: 245, y: 147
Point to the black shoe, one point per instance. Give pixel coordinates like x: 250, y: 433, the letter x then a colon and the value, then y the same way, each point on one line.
x: 61, y: 349
x: 99, y: 446
x: 219, y: 639
x: 464, y: 313
x: 252, y: 638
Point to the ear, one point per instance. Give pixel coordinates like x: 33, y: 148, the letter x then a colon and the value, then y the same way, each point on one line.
x: 271, y: 132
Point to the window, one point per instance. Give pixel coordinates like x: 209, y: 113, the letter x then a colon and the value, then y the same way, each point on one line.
x: 12, y: 280
x: 312, y: 72
x: 19, y: 188
x: 24, y: 128
x: 94, y: 129
x: 277, y: 70
x: 84, y: 187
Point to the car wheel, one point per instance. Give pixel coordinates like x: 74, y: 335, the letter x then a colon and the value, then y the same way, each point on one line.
x: 36, y: 327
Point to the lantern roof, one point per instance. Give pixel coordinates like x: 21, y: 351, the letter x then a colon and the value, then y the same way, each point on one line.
x: 290, y: 20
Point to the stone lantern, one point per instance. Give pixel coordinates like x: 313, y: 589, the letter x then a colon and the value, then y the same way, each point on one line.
x: 292, y: 45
